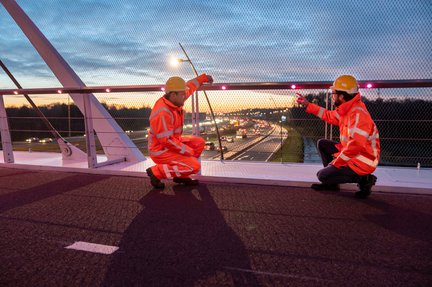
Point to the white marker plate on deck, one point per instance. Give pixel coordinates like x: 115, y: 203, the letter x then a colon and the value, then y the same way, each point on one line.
x: 93, y: 247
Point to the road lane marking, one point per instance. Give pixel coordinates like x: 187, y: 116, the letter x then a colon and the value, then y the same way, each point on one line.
x: 93, y: 247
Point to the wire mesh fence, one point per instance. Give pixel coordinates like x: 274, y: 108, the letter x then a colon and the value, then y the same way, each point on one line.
x: 264, y: 125
x: 239, y: 41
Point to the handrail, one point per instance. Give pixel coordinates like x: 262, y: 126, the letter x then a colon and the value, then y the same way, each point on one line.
x: 372, y: 84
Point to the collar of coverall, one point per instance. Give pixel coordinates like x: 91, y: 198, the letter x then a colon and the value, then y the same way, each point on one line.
x: 171, y: 105
x: 346, y: 107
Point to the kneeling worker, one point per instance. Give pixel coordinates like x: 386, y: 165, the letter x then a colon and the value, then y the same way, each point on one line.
x: 356, y: 157
x: 175, y: 156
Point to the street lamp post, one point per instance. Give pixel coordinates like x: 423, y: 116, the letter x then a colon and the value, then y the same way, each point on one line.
x: 69, y: 117
x: 280, y: 124
x: 195, y: 102
x: 205, y: 94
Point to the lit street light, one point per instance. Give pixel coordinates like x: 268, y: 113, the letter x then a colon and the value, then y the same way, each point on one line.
x: 175, y: 62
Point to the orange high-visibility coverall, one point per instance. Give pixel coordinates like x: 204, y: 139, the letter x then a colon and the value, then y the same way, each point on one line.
x: 359, y: 147
x: 174, y: 155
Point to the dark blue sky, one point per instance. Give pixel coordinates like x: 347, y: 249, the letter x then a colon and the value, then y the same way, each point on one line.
x: 109, y: 42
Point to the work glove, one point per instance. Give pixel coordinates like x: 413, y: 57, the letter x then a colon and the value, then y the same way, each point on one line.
x: 209, y: 79
x: 302, y: 100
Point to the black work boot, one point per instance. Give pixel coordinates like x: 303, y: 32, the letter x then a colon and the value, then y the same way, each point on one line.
x: 323, y: 186
x: 185, y: 181
x: 154, y: 180
x: 365, y: 184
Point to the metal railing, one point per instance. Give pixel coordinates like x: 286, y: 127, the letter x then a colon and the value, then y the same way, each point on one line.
x: 367, y: 84
x: 408, y: 148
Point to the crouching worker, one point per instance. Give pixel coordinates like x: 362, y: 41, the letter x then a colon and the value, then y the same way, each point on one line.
x: 356, y: 157
x: 175, y: 156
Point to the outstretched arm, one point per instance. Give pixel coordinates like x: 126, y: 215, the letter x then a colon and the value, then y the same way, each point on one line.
x: 332, y: 117
x: 195, y: 83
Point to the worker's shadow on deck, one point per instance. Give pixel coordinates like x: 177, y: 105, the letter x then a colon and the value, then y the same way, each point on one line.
x: 180, y: 239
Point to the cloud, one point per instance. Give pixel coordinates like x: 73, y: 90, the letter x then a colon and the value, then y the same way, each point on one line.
x: 128, y: 42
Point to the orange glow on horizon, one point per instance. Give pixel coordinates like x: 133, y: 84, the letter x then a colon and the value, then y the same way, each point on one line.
x: 221, y: 101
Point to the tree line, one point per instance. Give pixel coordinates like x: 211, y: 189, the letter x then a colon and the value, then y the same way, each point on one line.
x: 24, y: 121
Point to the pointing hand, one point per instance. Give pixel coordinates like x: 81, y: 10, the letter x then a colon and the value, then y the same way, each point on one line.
x: 302, y: 100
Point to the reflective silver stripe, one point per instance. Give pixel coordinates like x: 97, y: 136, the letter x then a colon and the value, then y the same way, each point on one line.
x: 164, y: 124
x: 359, y: 109
x: 320, y: 112
x: 183, y: 149
x: 167, y: 171
x: 179, y: 130
x: 159, y: 152
x: 373, y: 139
x: 337, y: 115
x: 357, y: 120
x: 176, y: 170
x: 150, y: 136
x: 355, y: 129
x: 360, y: 132
x: 349, y: 124
x: 161, y: 110
x: 344, y: 138
x: 344, y: 157
x: 195, y: 82
x: 174, y: 144
x: 185, y: 165
x: 164, y: 134
x: 367, y: 161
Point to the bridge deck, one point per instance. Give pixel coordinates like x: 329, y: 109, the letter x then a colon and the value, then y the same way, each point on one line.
x: 390, y: 179
x: 60, y: 228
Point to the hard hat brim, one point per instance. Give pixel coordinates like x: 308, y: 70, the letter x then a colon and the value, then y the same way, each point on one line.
x: 178, y: 90
x: 352, y: 91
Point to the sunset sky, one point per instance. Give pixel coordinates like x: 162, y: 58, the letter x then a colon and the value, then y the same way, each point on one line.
x: 129, y: 42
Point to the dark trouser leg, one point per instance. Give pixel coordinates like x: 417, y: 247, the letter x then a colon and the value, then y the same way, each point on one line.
x: 366, y: 182
x: 326, y: 149
x: 333, y: 175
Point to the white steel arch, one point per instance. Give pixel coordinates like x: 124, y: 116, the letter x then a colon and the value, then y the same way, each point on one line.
x: 116, y: 144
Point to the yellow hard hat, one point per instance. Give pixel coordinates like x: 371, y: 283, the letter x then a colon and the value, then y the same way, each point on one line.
x: 175, y: 84
x: 345, y: 83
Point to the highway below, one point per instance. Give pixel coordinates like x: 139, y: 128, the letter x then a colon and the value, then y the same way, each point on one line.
x: 263, y: 150
x: 254, y: 147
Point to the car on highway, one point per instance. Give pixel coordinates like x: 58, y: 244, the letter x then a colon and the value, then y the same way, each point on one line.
x: 230, y: 139
x: 46, y: 140
x: 209, y: 146
x: 32, y: 140
x: 224, y: 148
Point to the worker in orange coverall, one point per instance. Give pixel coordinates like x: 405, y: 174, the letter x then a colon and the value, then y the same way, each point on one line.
x: 356, y: 157
x: 175, y: 156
